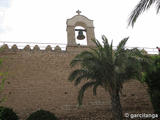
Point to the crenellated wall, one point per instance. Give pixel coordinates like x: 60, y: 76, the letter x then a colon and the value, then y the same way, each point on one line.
x: 14, y: 48
x: 38, y: 79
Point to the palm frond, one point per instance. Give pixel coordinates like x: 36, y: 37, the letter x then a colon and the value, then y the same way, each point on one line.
x: 76, y: 73
x: 122, y: 44
x: 96, y: 52
x: 82, y: 90
x: 106, y: 45
x: 111, y: 47
x: 105, y: 41
x: 120, y: 51
x: 120, y: 56
x: 84, y: 76
x: 75, y: 61
x: 98, y: 44
x: 99, y: 48
x: 140, y: 7
x: 95, y: 88
x: 107, y: 52
x: 158, y: 5
x: 79, y: 58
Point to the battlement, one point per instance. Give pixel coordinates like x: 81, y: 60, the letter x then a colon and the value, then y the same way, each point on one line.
x: 14, y: 48
x: 40, y: 47
x: 54, y: 47
x: 38, y: 79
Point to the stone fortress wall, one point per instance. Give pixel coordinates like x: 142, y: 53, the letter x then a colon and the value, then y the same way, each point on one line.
x: 38, y: 79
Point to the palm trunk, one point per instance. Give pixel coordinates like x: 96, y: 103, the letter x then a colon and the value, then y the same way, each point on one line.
x: 116, y: 106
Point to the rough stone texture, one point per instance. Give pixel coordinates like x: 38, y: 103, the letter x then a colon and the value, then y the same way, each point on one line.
x: 14, y: 48
x: 48, y: 48
x: 80, y: 20
x: 27, y: 48
x: 39, y: 80
x: 36, y: 48
x: 57, y: 48
x: 4, y: 48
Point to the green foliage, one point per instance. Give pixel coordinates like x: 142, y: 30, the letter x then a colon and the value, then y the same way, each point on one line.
x: 42, y: 115
x: 2, y: 81
x: 102, y: 66
x: 105, y: 67
x: 152, y: 78
x: 142, y: 6
x: 1, y: 61
x: 7, y: 114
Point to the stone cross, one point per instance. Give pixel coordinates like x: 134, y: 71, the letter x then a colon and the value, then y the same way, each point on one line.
x: 78, y: 12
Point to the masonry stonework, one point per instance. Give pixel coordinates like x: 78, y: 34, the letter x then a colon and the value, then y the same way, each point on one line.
x: 38, y: 79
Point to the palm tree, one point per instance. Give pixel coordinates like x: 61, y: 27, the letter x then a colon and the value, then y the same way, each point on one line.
x: 141, y: 7
x: 108, y: 68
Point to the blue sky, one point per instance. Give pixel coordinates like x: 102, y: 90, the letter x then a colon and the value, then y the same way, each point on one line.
x: 45, y: 21
x: 5, y: 3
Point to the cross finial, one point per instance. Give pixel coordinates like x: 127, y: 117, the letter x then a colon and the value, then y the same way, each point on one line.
x: 78, y: 12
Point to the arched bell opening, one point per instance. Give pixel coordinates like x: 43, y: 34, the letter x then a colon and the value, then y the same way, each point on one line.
x: 80, y: 35
x: 86, y: 28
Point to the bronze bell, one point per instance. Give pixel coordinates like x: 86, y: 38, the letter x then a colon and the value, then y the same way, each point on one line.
x: 80, y: 34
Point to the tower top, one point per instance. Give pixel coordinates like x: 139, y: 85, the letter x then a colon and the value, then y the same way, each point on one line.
x: 82, y: 21
x: 78, y: 12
